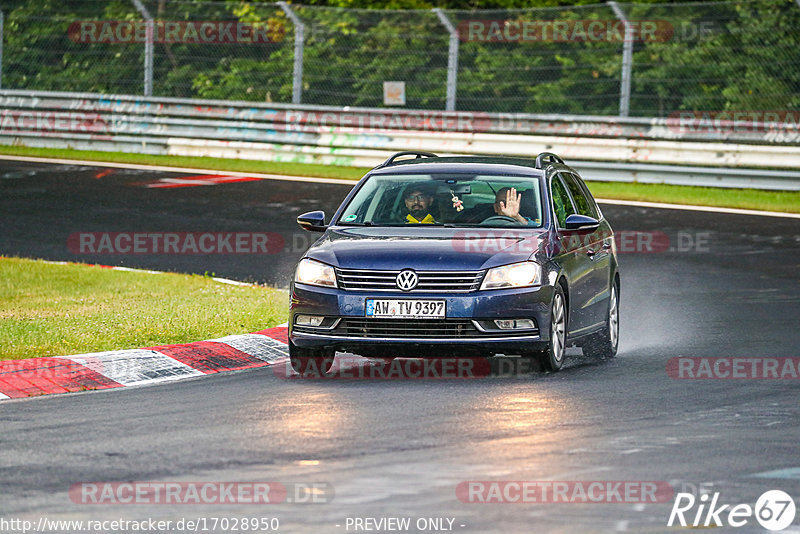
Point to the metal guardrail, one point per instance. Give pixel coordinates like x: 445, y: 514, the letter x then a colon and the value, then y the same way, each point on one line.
x: 679, y: 128
x: 603, y: 148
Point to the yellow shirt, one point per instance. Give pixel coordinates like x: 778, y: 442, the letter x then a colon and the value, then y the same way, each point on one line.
x: 428, y: 219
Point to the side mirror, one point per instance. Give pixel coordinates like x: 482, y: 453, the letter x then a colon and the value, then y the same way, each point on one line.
x: 313, y: 221
x: 581, y: 222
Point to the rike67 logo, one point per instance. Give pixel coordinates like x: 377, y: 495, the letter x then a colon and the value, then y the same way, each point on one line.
x: 774, y: 510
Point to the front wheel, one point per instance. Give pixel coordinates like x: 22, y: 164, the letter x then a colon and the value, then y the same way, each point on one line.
x: 553, y: 357
x: 604, y: 343
x: 310, y: 362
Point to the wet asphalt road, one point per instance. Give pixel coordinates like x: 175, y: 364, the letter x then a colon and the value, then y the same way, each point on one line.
x: 729, y: 286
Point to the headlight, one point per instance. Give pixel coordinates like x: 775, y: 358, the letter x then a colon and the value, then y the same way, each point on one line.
x: 524, y: 274
x: 314, y: 273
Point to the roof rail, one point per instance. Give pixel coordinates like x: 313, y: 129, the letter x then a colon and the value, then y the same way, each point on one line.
x: 419, y: 154
x: 547, y: 157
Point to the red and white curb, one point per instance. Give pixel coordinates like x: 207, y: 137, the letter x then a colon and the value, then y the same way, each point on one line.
x: 135, y: 367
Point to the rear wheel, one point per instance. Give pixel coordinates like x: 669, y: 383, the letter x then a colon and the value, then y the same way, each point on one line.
x: 604, y: 343
x: 553, y: 357
x: 311, y: 362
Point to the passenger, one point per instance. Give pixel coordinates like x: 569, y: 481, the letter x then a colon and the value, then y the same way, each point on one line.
x: 507, y: 201
x: 419, y: 202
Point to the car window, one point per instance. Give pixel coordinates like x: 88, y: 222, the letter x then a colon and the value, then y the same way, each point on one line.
x: 454, y: 200
x: 561, y: 202
x: 592, y: 202
x: 583, y: 205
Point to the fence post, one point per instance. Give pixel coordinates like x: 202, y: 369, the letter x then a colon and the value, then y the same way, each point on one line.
x: 299, y: 42
x: 2, y: 38
x: 627, y: 61
x: 148, y: 47
x: 452, y: 59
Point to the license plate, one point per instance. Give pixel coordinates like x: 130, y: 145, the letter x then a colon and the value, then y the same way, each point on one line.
x: 405, y: 309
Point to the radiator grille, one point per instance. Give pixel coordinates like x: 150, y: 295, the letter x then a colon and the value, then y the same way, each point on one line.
x: 399, y: 328
x: 429, y: 281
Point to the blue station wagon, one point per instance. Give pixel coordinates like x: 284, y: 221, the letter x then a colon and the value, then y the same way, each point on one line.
x: 458, y: 257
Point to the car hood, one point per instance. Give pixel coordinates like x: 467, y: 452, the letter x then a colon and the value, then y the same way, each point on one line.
x: 429, y: 248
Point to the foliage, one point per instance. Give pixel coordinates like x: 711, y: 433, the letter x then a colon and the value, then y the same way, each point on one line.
x: 720, y: 56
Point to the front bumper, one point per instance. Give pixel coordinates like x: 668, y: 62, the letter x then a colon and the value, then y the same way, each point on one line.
x: 466, y: 332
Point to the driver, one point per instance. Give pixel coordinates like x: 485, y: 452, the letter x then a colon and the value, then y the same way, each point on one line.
x: 506, y: 203
x: 418, y: 199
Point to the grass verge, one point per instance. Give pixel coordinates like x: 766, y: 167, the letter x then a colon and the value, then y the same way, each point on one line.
x: 54, y: 310
x: 754, y: 199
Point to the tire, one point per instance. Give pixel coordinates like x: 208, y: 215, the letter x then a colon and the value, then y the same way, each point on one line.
x: 552, y: 358
x: 311, y: 363
x: 604, y: 344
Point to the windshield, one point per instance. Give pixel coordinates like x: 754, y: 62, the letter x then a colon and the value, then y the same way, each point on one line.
x: 457, y: 200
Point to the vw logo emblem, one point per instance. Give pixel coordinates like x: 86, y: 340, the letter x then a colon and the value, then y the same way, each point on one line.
x: 407, y: 280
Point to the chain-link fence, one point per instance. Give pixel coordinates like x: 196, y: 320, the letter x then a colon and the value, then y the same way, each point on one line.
x: 602, y: 59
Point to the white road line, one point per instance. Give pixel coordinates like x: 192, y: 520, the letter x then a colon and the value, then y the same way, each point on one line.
x: 132, y: 270
x: 786, y: 473
x: 188, y: 170
x: 150, y: 271
x: 689, y: 207
x: 230, y: 282
x: 135, y: 367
